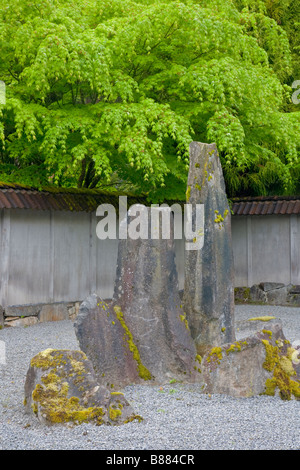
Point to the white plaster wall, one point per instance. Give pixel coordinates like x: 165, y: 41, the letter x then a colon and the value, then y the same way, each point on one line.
x: 56, y: 256
x: 266, y: 249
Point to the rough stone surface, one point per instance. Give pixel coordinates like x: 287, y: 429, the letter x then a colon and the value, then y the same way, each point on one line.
x: 1, y: 316
x: 295, y: 290
x: 267, y: 286
x: 293, y: 299
x: 73, y: 310
x: 26, y: 310
x: 268, y: 293
x: 263, y: 363
x: 254, y: 324
x: 29, y: 314
x: 53, y: 312
x: 242, y: 294
x: 61, y: 388
x: 144, y: 335
x: 277, y: 296
x: 21, y: 322
x: 257, y: 294
x: 103, y: 339
x: 209, y: 272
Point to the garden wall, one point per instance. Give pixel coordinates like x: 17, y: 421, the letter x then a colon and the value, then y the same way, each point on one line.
x: 51, y: 257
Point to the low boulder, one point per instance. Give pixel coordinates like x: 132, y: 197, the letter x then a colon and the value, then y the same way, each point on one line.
x: 264, y: 363
x: 61, y: 388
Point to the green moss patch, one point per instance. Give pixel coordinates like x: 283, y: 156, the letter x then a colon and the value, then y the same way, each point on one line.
x: 263, y: 318
x: 143, y: 371
x: 280, y: 364
x: 51, y: 395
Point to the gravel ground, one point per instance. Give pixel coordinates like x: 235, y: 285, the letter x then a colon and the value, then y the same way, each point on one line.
x: 176, y: 418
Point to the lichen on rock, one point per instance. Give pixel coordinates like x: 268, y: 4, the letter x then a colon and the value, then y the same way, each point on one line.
x: 261, y: 364
x: 279, y: 361
x: 143, y: 371
x: 61, y: 388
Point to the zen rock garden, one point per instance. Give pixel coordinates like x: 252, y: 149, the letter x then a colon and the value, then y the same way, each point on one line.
x: 149, y: 334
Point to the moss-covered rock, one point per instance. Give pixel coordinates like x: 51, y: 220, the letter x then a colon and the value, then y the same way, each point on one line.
x: 280, y: 361
x: 261, y: 364
x: 61, y: 388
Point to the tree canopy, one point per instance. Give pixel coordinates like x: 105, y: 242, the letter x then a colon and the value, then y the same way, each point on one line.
x: 110, y: 93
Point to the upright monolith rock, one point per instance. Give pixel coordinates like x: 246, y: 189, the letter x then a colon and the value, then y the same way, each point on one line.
x: 143, y: 335
x: 209, y: 274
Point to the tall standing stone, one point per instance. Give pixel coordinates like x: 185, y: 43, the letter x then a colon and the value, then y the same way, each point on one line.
x: 143, y: 337
x: 147, y: 292
x: 209, y: 274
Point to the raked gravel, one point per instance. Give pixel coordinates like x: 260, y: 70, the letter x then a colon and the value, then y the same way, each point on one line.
x: 178, y: 417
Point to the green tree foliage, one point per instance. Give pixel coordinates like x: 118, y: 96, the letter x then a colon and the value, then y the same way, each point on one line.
x: 110, y: 93
x: 287, y: 14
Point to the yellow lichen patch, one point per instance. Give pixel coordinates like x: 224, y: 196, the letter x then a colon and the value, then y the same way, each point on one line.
x: 286, y: 386
x: 215, y: 355
x: 294, y: 355
x: 234, y: 347
x: 52, y: 393
x: 286, y: 365
x: 44, y: 359
x: 267, y: 332
x: 50, y: 378
x: 132, y: 418
x: 263, y: 318
x: 219, y: 219
x: 143, y: 371
x: 58, y: 408
x: 188, y: 193
x: 282, y: 368
x: 184, y: 320
x: 114, y: 413
x: 272, y: 355
x: 78, y: 366
x: 198, y: 358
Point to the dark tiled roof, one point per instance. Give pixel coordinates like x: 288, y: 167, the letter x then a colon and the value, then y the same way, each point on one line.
x: 272, y: 205
x: 21, y: 197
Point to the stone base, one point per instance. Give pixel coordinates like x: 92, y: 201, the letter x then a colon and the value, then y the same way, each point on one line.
x: 127, y: 348
x: 264, y: 363
x: 269, y: 293
x: 30, y: 314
